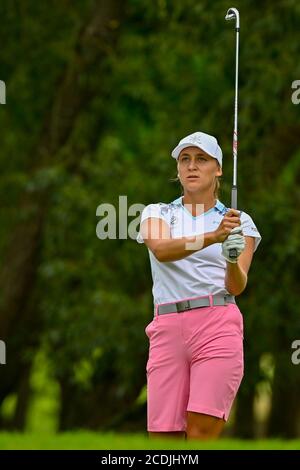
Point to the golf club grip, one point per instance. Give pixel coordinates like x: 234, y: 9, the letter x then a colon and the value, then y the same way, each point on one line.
x: 232, y: 253
x: 234, y: 197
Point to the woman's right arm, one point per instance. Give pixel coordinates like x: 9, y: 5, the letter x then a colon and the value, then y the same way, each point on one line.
x: 157, y: 237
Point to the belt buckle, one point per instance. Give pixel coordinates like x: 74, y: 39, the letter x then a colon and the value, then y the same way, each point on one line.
x: 183, y: 305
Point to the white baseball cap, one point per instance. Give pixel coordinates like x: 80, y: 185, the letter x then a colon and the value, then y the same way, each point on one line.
x: 205, y: 142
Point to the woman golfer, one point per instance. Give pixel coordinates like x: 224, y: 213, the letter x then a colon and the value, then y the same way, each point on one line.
x: 195, y: 363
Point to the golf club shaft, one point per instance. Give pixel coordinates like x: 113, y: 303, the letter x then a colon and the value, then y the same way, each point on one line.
x: 232, y: 251
x: 234, y: 14
x: 235, y: 129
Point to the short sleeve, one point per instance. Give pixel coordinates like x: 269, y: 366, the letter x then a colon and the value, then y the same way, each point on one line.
x: 250, y: 229
x: 152, y: 210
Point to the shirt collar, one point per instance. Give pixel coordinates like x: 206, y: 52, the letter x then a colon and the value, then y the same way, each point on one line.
x: 219, y: 206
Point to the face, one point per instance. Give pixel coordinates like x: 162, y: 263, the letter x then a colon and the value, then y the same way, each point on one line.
x: 197, y: 170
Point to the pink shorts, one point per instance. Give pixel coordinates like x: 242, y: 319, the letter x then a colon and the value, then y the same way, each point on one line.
x: 195, y: 363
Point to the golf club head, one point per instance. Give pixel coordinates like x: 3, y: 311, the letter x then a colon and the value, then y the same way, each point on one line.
x: 233, y: 14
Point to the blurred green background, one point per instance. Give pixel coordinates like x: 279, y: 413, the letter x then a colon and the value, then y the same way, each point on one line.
x: 98, y: 93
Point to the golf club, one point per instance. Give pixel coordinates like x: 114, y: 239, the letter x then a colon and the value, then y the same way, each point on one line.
x: 233, y: 14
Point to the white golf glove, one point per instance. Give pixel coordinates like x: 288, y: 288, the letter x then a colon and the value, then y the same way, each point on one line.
x: 235, y: 240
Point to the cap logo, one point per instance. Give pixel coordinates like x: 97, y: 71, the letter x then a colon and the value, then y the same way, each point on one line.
x: 196, y: 139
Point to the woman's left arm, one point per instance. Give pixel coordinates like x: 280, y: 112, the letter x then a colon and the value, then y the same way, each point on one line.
x: 237, y: 273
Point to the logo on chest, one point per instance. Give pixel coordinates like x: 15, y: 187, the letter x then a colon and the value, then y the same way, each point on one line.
x: 174, y: 220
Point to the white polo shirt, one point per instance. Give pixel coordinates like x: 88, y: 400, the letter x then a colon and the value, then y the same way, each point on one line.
x: 200, y: 273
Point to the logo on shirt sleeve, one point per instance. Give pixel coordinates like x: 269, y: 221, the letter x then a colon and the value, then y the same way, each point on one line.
x: 164, y: 208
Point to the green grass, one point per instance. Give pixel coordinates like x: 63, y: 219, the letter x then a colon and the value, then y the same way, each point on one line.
x: 112, y: 441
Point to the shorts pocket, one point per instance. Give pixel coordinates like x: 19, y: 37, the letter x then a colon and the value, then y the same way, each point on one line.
x: 237, y: 318
x: 149, y: 328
